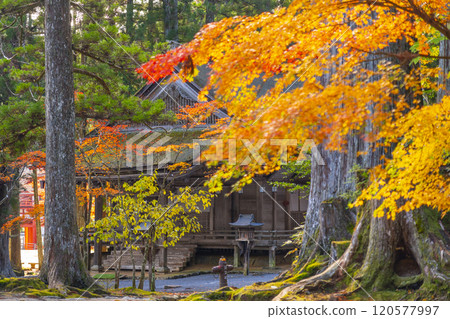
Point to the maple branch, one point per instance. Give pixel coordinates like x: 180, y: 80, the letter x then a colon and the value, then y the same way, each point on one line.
x: 405, y: 55
x: 95, y: 76
x: 412, y: 9
x: 430, y: 20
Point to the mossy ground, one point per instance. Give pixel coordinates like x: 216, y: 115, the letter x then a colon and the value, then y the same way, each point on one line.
x: 20, y: 284
x: 255, y: 292
x: 266, y: 292
x: 146, y: 295
x: 35, y: 288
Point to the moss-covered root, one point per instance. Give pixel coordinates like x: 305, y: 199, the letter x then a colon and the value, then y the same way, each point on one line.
x: 255, y: 292
x: 17, y: 285
x: 36, y: 288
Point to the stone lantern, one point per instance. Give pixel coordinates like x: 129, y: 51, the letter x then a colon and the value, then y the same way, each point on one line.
x: 246, y: 225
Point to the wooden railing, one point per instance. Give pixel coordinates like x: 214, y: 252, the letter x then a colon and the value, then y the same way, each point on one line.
x: 225, y: 238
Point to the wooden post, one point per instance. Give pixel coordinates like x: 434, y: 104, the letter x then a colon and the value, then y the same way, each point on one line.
x: 274, y: 220
x: 236, y: 256
x: 211, y: 216
x: 272, y: 257
x: 246, y: 257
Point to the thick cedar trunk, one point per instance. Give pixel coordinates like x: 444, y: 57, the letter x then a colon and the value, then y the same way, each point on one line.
x: 15, y: 255
x: 388, y: 238
x: 378, y: 267
x: 5, y: 264
x: 62, y: 261
x: 171, y: 19
x: 327, y: 218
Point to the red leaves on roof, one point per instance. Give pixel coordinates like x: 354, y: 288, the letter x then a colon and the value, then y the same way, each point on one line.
x: 164, y: 64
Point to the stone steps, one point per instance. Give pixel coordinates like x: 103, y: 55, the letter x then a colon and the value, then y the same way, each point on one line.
x: 178, y: 258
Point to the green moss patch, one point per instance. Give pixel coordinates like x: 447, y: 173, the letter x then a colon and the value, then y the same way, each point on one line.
x: 246, y: 294
x: 44, y: 293
x: 35, y: 288
x: 21, y: 284
x: 104, y: 276
x: 196, y: 297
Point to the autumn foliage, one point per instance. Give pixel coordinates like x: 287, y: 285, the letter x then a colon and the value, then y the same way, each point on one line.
x: 322, y: 71
x: 34, y: 160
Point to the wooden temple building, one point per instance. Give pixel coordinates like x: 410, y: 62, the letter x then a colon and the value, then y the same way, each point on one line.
x: 277, y: 209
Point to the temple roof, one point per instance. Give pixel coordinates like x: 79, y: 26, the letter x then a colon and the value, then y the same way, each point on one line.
x: 246, y: 220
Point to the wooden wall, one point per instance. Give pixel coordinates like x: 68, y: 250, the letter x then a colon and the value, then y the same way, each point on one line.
x: 252, y: 200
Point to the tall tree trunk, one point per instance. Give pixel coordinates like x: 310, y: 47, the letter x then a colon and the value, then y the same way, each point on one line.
x: 444, y: 65
x: 152, y: 270
x: 329, y: 185
x: 171, y: 19
x: 144, y: 263
x: 152, y: 32
x: 129, y: 25
x: 133, y: 274
x: 5, y: 264
x: 393, y: 241
x: 62, y: 260
x: 15, y: 254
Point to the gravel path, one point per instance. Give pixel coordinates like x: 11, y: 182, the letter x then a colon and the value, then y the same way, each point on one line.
x: 203, y: 282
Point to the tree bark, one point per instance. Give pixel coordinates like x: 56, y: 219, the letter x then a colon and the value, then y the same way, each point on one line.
x: 144, y: 263
x: 444, y: 65
x: 171, y: 19
x: 152, y: 32
x: 5, y: 264
x: 62, y: 260
x: 15, y: 254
